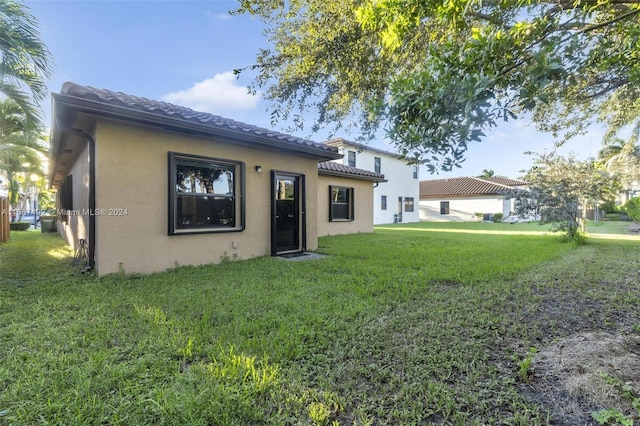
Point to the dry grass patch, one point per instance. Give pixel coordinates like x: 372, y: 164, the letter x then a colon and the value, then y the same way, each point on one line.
x: 589, y: 369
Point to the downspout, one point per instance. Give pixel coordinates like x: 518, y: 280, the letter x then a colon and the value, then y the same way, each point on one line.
x: 91, y: 143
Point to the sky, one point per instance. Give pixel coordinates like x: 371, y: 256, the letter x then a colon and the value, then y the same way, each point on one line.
x: 184, y: 52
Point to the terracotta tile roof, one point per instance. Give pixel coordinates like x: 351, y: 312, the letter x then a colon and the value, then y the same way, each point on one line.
x: 338, y: 169
x: 140, y: 108
x: 502, y: 180
x: 338, y: 142
x: 460, y: 187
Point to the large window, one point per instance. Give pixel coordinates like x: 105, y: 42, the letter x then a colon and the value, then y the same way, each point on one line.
x: 205, y: 194
x: 377, y: 164
x: 351, y: 158
x: 340, y: 203
x: 444, y: 207
x: 408, y: 204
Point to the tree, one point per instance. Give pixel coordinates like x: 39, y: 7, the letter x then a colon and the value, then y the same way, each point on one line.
x: 559, y: 190
x: 487, y: 174
x: 436, y: 75
x: 22, y: 148
x: 25, y: 61
x: 622, y: 158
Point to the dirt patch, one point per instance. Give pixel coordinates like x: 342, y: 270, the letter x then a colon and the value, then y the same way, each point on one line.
x: 576, y: 376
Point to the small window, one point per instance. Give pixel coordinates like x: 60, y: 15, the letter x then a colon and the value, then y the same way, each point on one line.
x: 66, y: 197
x: 204, y: 194
x: 408, y: 204
x: 444, y: 207
x: 383, y: 202
x: 351, y: 156
x: 340, y: 203
x: 67, y: 193
x: 376, y: 164
x: 415, y: 172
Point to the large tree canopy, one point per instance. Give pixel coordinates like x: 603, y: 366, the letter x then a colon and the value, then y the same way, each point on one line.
x: 437, y: 74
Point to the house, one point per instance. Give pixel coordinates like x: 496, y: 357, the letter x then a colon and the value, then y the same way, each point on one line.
x: 144, y: 186
x: 395, y: 200
x: 345, y: 199
x: 461, y: 199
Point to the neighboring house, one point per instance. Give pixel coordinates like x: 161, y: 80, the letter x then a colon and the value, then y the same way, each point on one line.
x: 144, y: 186
x: 462, y: 198
x: 395, y: 200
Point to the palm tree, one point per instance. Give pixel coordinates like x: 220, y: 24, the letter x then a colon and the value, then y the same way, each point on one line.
x: 622, y: 158
x: 24, y: 59
x: 22, y: 147
x: 486, y: 174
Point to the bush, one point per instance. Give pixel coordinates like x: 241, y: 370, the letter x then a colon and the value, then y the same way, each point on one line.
x: 632, y: 209
x: 497, y: 217
x: 19, y: 226
x: 609, y: 207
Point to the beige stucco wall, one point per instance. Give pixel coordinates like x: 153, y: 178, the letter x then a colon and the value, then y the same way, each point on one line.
x: 75, y: 225
x: 363, y: 206
x: 132, y: 176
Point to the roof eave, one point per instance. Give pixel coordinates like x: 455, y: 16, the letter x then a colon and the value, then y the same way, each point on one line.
x: 350, y: 175
x: 184, y: 126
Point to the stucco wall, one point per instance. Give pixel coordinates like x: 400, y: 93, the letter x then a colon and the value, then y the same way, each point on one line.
x: 132, y: 176
x: 400, y: 183
x: 362, y: 206
x: 75, y: 225
x: 463, y: 209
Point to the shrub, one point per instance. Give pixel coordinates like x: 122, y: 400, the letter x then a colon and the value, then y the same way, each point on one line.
x: 497, y: 217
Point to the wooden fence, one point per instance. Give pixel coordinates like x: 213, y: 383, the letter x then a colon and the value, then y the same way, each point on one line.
x: 4, y: 219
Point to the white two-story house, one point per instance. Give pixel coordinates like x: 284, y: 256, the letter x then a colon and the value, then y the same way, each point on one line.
x: 398, y: 198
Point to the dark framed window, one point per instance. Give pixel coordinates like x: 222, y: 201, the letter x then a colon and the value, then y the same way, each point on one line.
x: 444, y: 207
x: 383, y: 202
x: 205, y: 194
x: 340, y: 203
x: 408, y: 204
x: 377, y: 164
x: 67, y: 193
x: 351, y: 157
x: 66, y: 197
x: 415, y: 172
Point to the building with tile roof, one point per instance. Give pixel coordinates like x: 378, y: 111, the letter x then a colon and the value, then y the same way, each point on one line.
x: 144, y: 185
x: 395, y: 199
x: 463, y: 199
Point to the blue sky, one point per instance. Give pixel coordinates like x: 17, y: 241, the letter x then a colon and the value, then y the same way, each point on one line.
x: 184, y: 52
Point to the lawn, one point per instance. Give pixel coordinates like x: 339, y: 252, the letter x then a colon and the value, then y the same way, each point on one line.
x: 401, y: 326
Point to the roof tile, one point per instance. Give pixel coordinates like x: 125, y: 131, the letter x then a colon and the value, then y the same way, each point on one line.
x: 166, y: 109
x: 464, y: 186
x: 331, y: 167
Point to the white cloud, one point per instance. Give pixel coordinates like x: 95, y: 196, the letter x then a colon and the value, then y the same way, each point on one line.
x: 216, y: 95
x: 219, y: 16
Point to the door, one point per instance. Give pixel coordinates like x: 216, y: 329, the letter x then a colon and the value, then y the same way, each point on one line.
x: 287, y: 224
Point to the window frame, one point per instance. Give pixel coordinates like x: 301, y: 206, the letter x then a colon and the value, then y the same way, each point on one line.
x: 174, y: 159
x: 66, y: 198
x: 409, y: 201
x: 377, y: 164
x: 350, y: 203
x: 383, y: 202
x: 415, y: 172
x: 444, y: 207
x: 351, y: 158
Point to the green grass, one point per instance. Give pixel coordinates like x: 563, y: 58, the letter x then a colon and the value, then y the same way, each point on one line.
x: 396, y: 327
